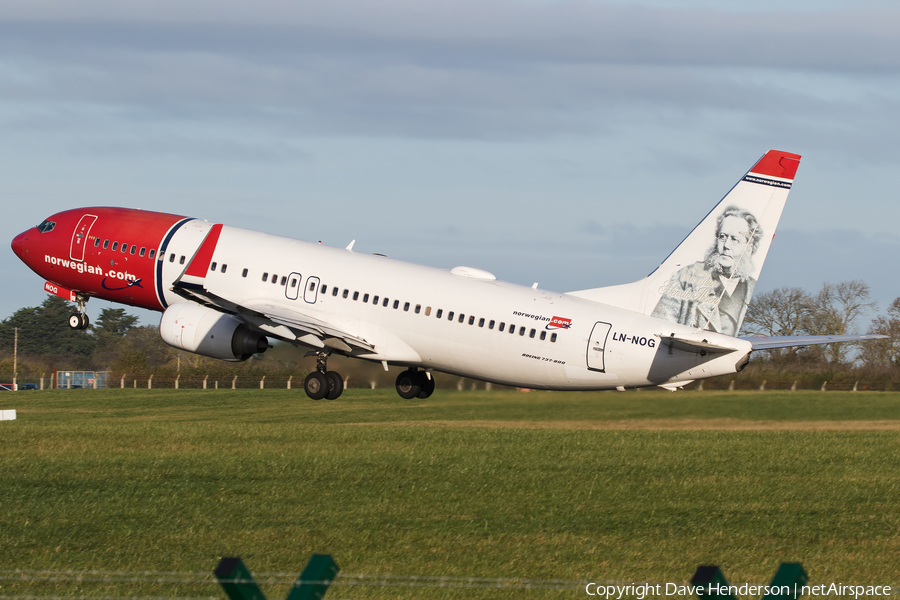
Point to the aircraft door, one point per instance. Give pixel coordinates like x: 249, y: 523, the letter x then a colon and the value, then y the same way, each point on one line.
x: 597, y: 347
x: 311, y: 292
x: 80, y: 237
x: 292, y: 289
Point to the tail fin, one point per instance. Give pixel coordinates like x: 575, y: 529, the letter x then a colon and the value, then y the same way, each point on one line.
x: 708, y: 280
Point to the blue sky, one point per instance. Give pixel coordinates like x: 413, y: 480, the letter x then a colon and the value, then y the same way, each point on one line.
x: 572, y: 144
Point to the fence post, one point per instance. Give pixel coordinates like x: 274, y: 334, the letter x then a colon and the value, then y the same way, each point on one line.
x: 234, y: 382
x: 262, y: 383
x: 762, y: 386
x: 177, y: 377
x: 289, y: 382
x: 122, y: 382
x: 794, y: 387
x: 150, y: 383
x: 823, y: 385
x: 854, y: 386
x: 42, y: 381
x: 731, y: 386
x: 204, y: 381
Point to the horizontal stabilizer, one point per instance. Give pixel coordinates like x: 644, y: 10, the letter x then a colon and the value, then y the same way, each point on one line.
x: 790, y: 341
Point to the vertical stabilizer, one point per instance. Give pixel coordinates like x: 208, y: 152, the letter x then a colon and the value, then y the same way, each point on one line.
x: 708, y: 280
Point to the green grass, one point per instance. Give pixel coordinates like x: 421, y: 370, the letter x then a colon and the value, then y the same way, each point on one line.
x: 165, y: 480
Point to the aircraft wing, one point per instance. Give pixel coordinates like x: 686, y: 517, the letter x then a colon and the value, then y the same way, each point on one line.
x: 293, y: 325
x: 769, y: 343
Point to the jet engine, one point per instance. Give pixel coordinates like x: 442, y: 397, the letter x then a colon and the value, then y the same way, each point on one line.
x: 201, y: 330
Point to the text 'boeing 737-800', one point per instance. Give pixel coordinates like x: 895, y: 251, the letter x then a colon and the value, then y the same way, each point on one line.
x: 224, y: 291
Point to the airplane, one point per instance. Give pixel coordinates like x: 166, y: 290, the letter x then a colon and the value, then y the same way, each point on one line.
x: 224, y: 291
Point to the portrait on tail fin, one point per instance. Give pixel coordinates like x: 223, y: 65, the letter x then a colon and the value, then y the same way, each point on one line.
x: 713, y: 293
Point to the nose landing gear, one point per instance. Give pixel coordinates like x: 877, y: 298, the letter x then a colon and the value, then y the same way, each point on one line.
x: 80, y: 319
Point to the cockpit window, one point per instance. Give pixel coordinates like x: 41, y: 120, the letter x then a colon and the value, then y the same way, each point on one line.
x: 46, y: 226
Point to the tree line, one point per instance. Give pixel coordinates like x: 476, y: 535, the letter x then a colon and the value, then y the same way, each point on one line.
x: 115, y: 342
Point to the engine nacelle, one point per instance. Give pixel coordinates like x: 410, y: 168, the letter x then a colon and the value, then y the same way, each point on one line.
x: 201, y: 330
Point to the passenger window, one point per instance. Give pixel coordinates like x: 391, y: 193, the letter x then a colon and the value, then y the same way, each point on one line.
x: 450, y: 316
x: 222, y: 270
x: 116, y: 247
x: 133, y: 248
x: 97, y: 243
x: 153, y: 253
x: 171, y: 256
x: 312, y: 286
x: 375, y: 300
x: 143, y: 251
x: 324, y: 289
x: 427, y: 311
x: 265, y: 277
x: 396, y: 304
x: 346, y: 292
x: 440, y: 312
x: 502, y: 326
x: 531, y: 333
x: 491, y: 324
x: 553, y: 337
x: 366, y: 298
x: 124, y: 248
x: 284, y: 280
x: 385, y: 303
x: 293, y: 282
x: 418, y: 308
x: 512, y: 328
x: 244, y: 272
x: 181, y: 260
x: 105, y: 244
x: 334, y: 292
x: 543, y: 335
x: 521, y: 331
x: 356, y: 295
x: 481, y: 322
x: 212, y: 267
x: 406, y: 307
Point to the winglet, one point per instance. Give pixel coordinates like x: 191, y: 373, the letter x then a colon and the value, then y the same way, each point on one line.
x: 350, y: 246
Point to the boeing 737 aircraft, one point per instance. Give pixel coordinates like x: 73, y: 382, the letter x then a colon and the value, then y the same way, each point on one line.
x: 223, y: 291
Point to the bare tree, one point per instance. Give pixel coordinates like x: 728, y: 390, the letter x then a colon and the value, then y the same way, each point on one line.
x: 784, y: 311
x: 884, y: 353
x: 834, y: 311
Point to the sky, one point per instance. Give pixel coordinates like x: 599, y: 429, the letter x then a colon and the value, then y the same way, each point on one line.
x: 569, y: 143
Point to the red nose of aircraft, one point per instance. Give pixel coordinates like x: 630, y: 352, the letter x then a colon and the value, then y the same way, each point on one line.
x: 18, y: 244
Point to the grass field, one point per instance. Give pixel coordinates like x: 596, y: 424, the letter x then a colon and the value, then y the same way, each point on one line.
x: 637, y: 486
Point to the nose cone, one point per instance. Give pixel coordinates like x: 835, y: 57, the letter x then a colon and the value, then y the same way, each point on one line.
x: 19, y: 244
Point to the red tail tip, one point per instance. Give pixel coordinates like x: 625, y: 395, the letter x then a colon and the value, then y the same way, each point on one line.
x: 777, y: 164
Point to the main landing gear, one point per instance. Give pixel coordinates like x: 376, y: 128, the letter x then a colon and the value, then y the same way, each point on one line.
x: 415, y: 384
x: 323, y: 383
x: 80, y: 319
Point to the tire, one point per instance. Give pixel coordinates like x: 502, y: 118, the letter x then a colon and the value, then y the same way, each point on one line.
x: 316, y: 385
x: 408, y: 384
x: 335, y: 385
x: 426, y: 385
x: 75, y: 321
x: 85, y: 321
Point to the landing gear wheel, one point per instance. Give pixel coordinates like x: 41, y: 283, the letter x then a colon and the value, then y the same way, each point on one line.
x: 335, y: 385
x: 75, y: 321
x: 408, y: 384
x: 316, y: 385
x: 426, y: 385
x: 85, y: 321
